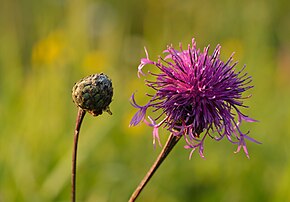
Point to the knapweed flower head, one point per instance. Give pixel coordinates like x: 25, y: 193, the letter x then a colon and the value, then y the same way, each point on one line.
x: 93, y: 94
x: 197, y: 95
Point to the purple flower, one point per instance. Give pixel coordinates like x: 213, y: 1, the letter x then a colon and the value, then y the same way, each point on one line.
x: 197, y: 96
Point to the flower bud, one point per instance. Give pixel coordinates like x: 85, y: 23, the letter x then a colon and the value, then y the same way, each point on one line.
x: 93, y: 94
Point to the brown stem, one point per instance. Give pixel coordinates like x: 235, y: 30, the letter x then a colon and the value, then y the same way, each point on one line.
x: 171, y: 142
x: 80, y: 117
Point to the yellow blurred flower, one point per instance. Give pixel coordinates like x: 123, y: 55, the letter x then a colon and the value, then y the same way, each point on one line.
x: 49, y: 49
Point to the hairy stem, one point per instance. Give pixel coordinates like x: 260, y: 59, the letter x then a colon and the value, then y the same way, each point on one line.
x: 171, y: 142
x: 80, y: 117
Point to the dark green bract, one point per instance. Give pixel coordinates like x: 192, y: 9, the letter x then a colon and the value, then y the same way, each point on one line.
x: 93, y: 94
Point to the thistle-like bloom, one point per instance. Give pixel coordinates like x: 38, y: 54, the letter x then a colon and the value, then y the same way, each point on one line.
x: 197, y: 96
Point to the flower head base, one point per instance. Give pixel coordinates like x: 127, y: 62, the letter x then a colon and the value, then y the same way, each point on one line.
x: 197, y: 95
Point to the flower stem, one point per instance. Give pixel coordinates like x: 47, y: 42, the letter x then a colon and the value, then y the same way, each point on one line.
x: 171, y: 142
x: 80, y: 117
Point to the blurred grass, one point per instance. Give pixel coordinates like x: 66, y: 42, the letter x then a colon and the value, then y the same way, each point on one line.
x: 46, y: 46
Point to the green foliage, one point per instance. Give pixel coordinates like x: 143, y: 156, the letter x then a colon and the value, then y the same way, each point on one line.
x: 46, y: 46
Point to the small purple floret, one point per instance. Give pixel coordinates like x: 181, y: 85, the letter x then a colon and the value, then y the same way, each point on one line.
x: 197, y: 95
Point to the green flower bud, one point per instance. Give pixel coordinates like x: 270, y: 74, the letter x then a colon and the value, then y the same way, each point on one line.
x: 93, y: 94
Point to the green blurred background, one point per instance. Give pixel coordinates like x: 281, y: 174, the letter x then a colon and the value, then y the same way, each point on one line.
x: 46, y: 46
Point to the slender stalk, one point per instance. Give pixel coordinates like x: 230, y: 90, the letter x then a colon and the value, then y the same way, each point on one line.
x: 171, y: 142
x: 80, y: 117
